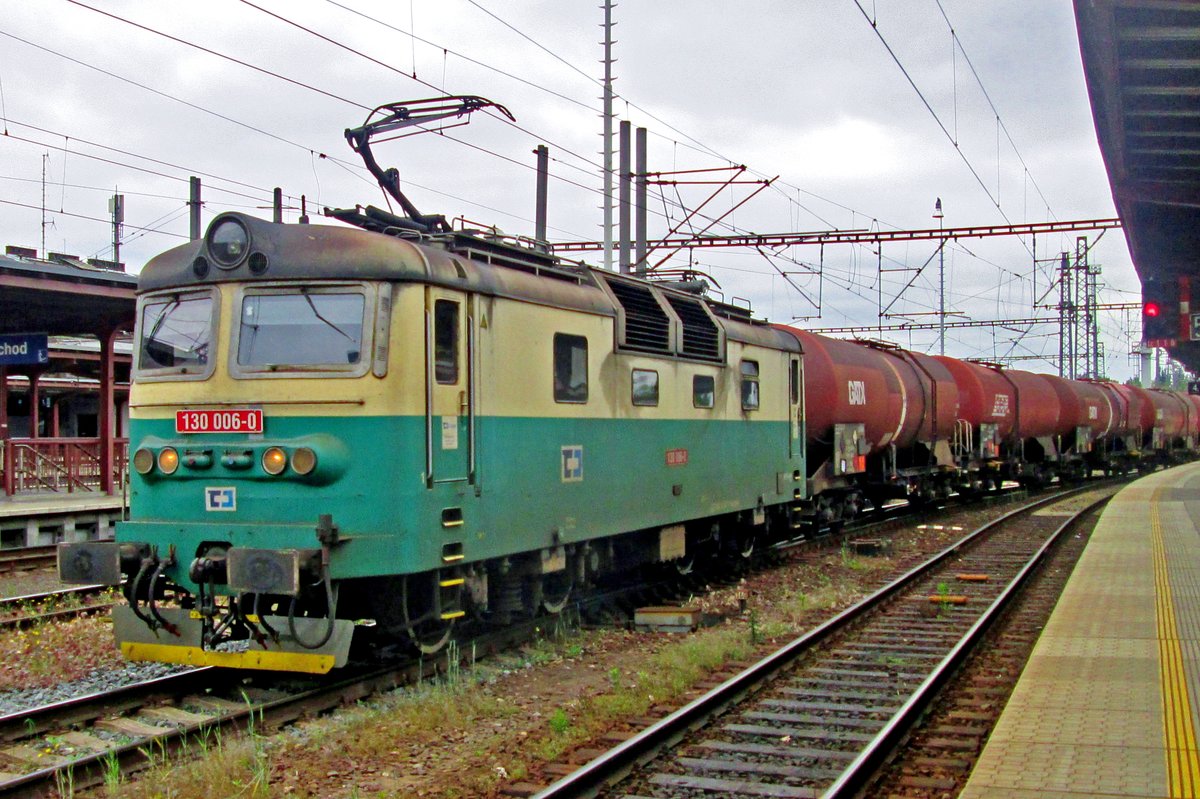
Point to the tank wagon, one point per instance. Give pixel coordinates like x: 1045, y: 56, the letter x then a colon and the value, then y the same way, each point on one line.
x: 874, y: 410
x: 883, y: 423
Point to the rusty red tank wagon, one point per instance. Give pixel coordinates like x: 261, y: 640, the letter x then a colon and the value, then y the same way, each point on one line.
x: 1172, y: 419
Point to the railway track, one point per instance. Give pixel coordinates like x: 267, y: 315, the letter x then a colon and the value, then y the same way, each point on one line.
x: 941, y: 751
x: 820, y: 716
x: 30, y: 610
x: 26, y: 558
x: 93, y: 740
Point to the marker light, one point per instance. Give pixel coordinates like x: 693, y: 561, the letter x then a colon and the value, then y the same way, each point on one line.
x: 168, y: 460
x: 274, y: 460
x: 304, y: 460
x: 143, y: 461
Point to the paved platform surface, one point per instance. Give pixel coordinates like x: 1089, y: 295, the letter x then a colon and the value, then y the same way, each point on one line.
x: 51, y: 503
x: 1108, y: 704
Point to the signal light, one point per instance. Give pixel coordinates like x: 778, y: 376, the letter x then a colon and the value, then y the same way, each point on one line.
x: 143, y: 461
x: 1160, y: 310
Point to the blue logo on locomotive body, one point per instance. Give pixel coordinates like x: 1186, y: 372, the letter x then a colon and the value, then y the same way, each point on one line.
x: 220, y: 498
x: 572, y: 464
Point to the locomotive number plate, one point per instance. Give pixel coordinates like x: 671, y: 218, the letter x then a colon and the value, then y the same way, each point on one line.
x: 229, y: 420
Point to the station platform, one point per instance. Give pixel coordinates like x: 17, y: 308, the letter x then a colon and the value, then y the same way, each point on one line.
x: 41, y: 519
x: 1108, y: 704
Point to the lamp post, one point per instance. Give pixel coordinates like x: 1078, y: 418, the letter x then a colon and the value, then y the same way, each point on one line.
x: 937, y: 214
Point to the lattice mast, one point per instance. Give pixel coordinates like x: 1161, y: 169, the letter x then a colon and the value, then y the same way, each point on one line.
x: 608, y: 134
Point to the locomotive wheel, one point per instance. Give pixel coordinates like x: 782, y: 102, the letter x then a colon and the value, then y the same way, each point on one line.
x: 556, y: 592
x: 742, y: 544
x: 431, y: 641
x: 428, y: 633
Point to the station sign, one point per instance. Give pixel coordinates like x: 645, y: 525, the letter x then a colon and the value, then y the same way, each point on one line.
x: 24, y: 349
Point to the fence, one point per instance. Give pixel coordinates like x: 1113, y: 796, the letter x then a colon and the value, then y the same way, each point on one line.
x: 51, y: 465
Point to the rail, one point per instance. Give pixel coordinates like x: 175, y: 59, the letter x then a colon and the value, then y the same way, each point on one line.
x: 54, y: 465
x: 604, y: 771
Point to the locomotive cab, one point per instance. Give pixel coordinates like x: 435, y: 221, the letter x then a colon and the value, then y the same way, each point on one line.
x: 237, y: 495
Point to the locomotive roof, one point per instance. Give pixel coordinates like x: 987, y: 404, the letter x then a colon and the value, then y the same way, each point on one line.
x: 276, y: 251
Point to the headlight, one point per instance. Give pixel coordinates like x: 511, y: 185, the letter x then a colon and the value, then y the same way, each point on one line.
x: 143, y: 461
x: 304, y: 460
x: 228, y: 243
x: 168, y: 460
x: 274, y: 460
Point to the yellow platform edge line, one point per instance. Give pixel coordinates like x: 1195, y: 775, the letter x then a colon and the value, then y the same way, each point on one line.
x: 1179, y: 735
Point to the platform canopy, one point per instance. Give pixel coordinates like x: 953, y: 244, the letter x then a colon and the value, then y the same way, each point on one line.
x: 61, y: 298
x: 1141, y: 59
x: 71, y: 301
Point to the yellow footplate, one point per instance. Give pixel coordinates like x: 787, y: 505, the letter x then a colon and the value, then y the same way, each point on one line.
x: 304, y: 645
x: 266, y: 660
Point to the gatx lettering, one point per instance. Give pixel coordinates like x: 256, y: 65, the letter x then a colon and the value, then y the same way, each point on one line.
x: 858, y: 392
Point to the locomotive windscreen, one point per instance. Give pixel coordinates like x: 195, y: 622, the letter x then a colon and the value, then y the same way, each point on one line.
x: 175, y: 333
x: 301, y: 329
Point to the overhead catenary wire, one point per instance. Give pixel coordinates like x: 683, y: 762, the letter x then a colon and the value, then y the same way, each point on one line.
x: 353, y: 168
x: 307, y: 86
x: 86, y: 217
x: 979, y: 81
x: 941, y: 125
x: 310, y: 87
x: 807, y: 193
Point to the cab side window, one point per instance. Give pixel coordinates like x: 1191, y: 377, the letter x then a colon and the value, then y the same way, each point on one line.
x: 445, y: 341
x: 749, y: 385
x: 570, y: 368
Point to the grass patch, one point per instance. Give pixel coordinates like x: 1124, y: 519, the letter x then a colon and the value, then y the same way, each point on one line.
x: 416, y: 724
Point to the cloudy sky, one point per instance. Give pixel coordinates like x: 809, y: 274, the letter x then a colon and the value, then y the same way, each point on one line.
x: 134, y: 96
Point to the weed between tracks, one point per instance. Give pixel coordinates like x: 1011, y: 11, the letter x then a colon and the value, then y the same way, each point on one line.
x: 56, y: 652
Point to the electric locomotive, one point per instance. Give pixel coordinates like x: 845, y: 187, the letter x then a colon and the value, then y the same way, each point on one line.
x: 346, y: 436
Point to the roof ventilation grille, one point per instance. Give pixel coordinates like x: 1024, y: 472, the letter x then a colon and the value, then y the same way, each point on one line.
x: 701, y: 338
x: 647, y: 327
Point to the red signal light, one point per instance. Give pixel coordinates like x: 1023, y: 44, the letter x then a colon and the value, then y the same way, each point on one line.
x: 1151, y: 309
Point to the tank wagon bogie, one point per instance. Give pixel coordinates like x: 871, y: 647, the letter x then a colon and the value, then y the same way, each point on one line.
x: 332, y: 425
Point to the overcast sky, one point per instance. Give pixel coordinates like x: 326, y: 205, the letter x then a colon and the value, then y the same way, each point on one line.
x: 103, y: 96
